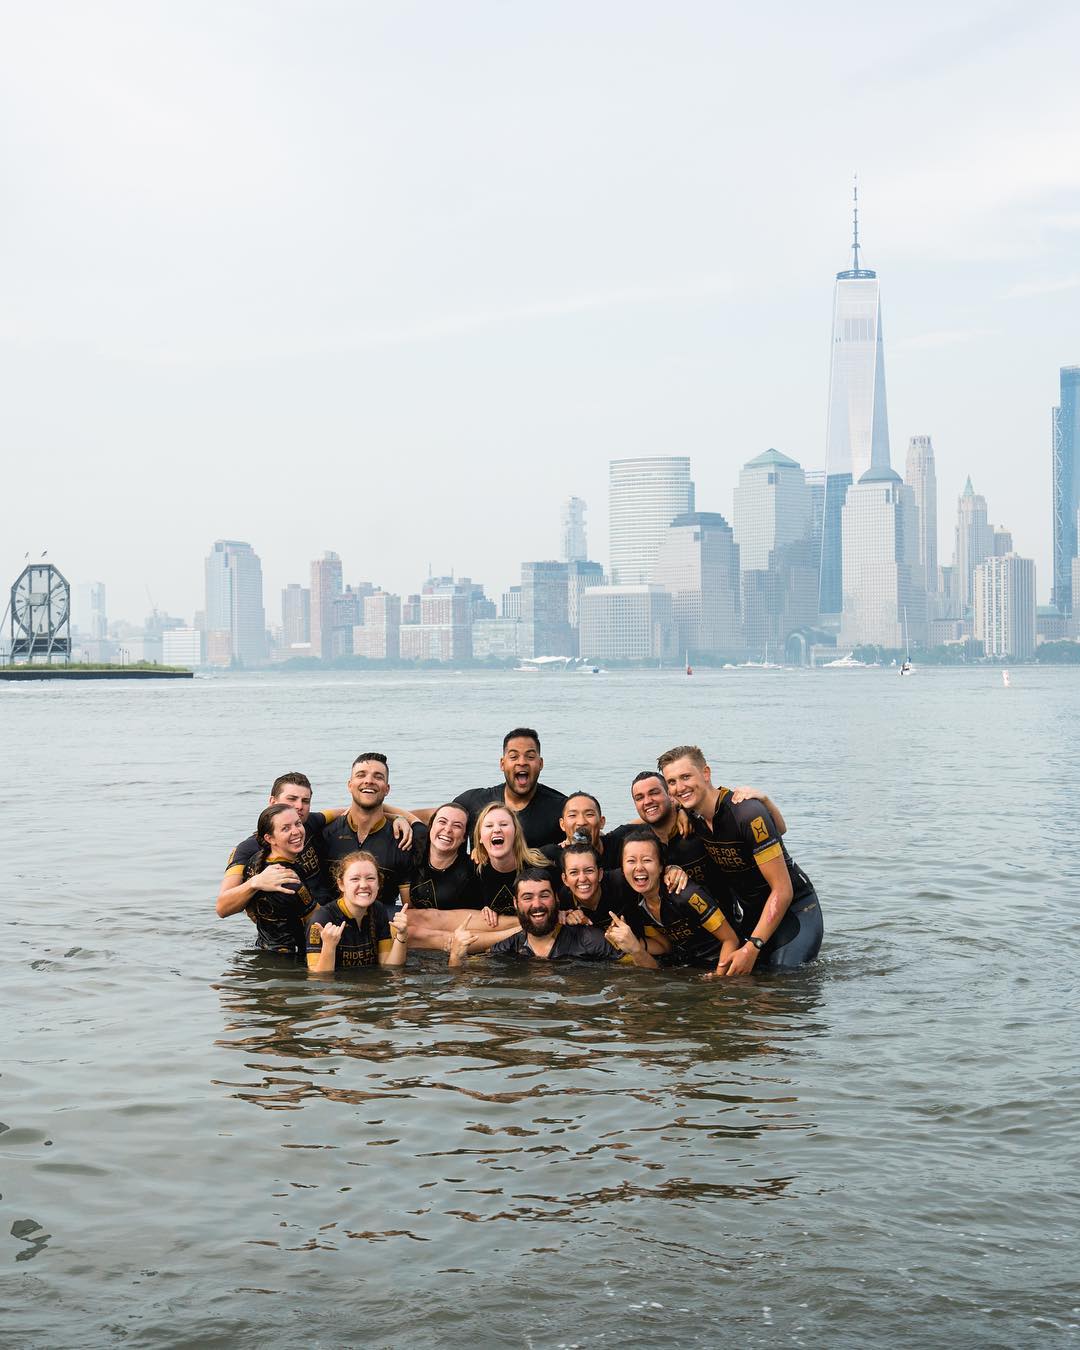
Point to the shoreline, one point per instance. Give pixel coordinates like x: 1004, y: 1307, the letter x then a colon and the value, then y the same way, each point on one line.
x: 75, y: 673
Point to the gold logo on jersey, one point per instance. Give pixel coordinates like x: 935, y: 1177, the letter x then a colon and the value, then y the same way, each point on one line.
x: 314, y: 936
x: 698, y: 903
x: 761, y: 832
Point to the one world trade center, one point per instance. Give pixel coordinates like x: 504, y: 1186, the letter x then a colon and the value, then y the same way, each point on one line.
x: 857, y: 437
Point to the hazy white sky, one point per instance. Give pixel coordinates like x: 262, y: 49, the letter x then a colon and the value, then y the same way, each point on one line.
x: 395, y: 278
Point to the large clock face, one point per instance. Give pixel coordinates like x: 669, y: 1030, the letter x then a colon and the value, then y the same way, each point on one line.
x: 40, y: 603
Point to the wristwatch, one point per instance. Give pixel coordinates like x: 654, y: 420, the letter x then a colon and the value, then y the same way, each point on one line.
x: 756, y: 942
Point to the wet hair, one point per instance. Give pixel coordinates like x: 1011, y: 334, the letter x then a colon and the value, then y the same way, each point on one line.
x: 372, y: 754
x: 296, y: 779
x: 535, y: 874
x: 576, y: 851
x: 264, y: 826
x: 648, y: 773
x: 525, y: 732
x: 524, y: 856
x: 582, y: 793
x: 691, y: 752
x: 342, y: 865
x: 642, y: 836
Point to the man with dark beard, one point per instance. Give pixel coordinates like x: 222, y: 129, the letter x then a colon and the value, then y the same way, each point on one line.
x: 544, y: 938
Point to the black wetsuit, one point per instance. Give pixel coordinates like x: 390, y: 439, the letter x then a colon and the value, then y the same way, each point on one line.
x: 573, y: 942
x: 434, y: 887
x: 539, y: 820
x: 280, y: 918
x: 309, y: 864
x: 363, y: 939
x: 690, y: 921
x: 395, y: 865
x: 737, y: 840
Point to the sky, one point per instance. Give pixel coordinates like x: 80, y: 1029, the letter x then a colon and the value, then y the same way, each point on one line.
x: 395, y: 279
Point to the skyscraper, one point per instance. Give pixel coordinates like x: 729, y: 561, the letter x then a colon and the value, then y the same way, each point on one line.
x: 1066, y: 489
x: 295, y: 615
x: 772, y: 508
x: 920, y: 476
x: 644, y: 497
x: 884, y: 589
x: 1004, y: 603
x: 545, y: 617
x: 580, y: 576
x: 628, y: 622
x: 698, y: 565
x: 326, y: 587
x: 235, y: 620
x: 857, y: 434
x: 574, y: 543
x: 974, y: 543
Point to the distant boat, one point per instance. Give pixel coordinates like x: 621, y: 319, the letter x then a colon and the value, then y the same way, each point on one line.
x: 844, y: 662
x: 689, y: 667
x: 1005, y: 678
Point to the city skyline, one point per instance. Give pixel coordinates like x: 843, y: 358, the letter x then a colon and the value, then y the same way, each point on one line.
x: 216, y: 332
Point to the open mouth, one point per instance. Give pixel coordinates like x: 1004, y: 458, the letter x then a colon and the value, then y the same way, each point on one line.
x: 497, y: 840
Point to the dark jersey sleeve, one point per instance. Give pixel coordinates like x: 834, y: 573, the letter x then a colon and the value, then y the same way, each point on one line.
x: 511, y: 946
x: 758, y: 831
x: 706, y: 912
x: 242, y: 854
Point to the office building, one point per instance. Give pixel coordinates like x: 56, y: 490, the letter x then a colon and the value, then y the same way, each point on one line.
x: 579, y: 577
x: 772, y: 508
x: 182, y: 647
x: 545, y: 610
x: 698, y: 565
x: 511, y: 603
x: 295, y: 615
x: 857, y: 432
x: 1004, y: 603
x: 974, y: 543
x: 644, y: 497
x: 496, y: 638
x: 326, y: 586
x: 1065, y: 436
x: 921, y: 476
x: 235, y: 619
x: 88, y: 612
x: 884, y: 588
x: 634, y: 623
x: 444, y: 629
x: 574, y: 543
x: 1002, y: 541
x: 379, y: 637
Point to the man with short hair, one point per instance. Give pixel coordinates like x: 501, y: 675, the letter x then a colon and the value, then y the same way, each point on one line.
x: 366, y: 827
x: 582, y: 821
x: 539, y: 808
x: 544, y: 937
x: 289, y: 789
x: 780, y: 922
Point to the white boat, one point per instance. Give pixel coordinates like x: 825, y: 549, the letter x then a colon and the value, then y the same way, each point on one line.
x: 1005, y: 678
x: 844, y: 662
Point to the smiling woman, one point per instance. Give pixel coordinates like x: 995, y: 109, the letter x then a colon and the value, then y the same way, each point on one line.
x: 270, y: 887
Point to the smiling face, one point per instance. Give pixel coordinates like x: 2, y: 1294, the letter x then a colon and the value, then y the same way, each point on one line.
x: 687, y: 783
x: 448, y: 826
x: 292, y: 794
x: 369, y: 784
x: 360, y: 886
x: 582, y: 813
x: 641, y: 866
x: 497, y: 836
x: 286, y: 836
x: 521, y: 765
x: 652, y: 802
x: 537, y: 908
x: 582, y: 878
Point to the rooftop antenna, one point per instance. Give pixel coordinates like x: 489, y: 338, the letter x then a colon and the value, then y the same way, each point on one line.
x: 855, y: 243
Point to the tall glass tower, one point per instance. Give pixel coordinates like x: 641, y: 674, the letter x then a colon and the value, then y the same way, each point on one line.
x: 644, y: 497
x: 857, y: 436
x: 1066, y: 442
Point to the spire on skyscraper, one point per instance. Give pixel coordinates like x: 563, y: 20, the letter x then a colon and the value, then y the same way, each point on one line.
x: 855, y: 242
x: 855, y: 271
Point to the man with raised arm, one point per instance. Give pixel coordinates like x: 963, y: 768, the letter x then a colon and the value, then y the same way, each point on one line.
x: 780, y: 921
x: 543, y: 937
x: 365, y: 827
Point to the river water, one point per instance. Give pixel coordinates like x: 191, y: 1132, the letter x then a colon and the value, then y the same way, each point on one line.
x: 199, y: 1148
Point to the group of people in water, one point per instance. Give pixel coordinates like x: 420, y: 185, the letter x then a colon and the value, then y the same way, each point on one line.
x: 701, y: 878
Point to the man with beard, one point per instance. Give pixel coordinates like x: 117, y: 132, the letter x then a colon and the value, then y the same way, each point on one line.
x: 543, y: 937
x: 366, y: 828
x: 780, y: 921
x: 539, y: 807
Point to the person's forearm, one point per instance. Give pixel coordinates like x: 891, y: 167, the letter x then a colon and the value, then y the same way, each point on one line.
x: 396, y: 955
x: 411, y: 816
x: 234, y: 898
x: 643, y: 959
x: 324, y: 961
x: 775, y: 908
